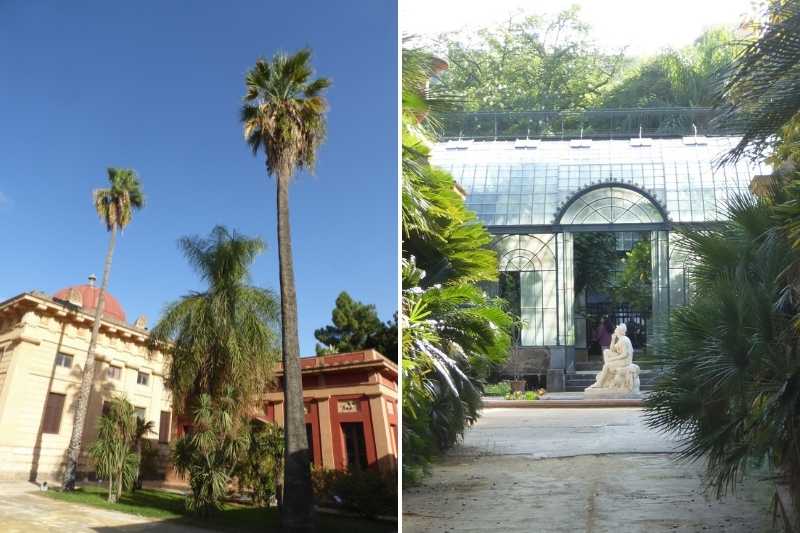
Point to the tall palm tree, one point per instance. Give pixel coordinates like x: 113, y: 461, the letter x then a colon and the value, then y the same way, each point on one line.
x: 284, y: 116
x: 114, y: 206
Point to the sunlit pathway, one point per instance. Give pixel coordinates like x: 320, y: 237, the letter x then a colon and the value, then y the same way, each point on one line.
x: 24, y: 511
x: 570, y: 470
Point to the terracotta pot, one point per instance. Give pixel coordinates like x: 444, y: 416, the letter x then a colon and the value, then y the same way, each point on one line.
x: 517, y: 385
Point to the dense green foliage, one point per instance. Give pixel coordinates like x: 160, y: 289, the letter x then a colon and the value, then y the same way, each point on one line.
x: 595, y: 258
x: 731, y: 390
x: 531, y: 63
x: 760, y: 93
x: 221, y: 345
x: 356, y: 326
x: 534, y: 63
x: 113, y: 451
x: 731, y: 356
x: 212, y: 450
x: 368, y: 492
x: 676, y: 78
x: 225, y: 334
x: 634, y: 286
x: 453, y: 333
x: 260, y: 470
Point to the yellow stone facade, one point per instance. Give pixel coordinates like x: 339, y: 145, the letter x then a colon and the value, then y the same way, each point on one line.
x: 34, y: 328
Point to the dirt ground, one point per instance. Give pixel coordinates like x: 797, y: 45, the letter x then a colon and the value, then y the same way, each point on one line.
x: 570, y: 470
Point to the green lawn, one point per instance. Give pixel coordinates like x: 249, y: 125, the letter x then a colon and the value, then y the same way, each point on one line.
x: 169, y: 506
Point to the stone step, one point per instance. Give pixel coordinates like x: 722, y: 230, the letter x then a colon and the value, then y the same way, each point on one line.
x: 642, y: 372
x: 648, y: 376
x: 598, y: 365
x: 642, y: 388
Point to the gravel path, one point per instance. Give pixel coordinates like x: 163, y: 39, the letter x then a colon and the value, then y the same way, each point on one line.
x: 571, y: 470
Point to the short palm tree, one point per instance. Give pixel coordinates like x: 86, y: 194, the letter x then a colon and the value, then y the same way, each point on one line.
x: 284, y: 116
x: 732, y: 366
x: 223, y: 336
x: 222, y: 347
x: 143, y: 428
x: 112, y: 450
x: 115, y: 206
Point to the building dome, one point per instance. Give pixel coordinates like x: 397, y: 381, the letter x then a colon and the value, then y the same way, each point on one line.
x: 87, y: 296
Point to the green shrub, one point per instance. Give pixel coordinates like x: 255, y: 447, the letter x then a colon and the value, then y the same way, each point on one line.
x: 260, y: 469
x: 367, y: 492
x: 502, y: 388
x: 527, y: 395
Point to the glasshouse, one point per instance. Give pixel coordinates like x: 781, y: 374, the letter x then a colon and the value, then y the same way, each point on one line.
x: 551, y: 196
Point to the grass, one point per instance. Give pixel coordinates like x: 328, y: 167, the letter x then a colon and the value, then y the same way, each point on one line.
x: 168, y: 506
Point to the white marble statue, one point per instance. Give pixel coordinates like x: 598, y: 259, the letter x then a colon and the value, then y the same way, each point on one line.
x: 619, y: 374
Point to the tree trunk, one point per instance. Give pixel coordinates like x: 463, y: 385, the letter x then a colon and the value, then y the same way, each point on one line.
x: 74, y: 452
x: 120, y: 477
x: 110, y: 488
x: 137, y: 484
x: 297, y: 510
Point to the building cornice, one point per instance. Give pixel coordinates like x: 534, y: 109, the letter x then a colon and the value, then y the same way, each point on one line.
x: 42, y: 304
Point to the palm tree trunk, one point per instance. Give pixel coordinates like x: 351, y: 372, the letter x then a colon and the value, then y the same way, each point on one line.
x: 297, y: 510
x: 120, y: 477
x: 110, y: 488
x: 82, y: 408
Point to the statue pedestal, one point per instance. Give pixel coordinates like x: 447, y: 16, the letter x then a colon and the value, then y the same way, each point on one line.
x: 611, y: 394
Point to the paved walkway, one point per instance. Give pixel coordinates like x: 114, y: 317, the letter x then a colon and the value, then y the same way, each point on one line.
x: 571, y: 470
x: 24, y: 511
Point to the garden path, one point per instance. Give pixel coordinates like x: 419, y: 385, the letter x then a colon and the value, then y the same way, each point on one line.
x: 571, y: 470
x: 24, y: 511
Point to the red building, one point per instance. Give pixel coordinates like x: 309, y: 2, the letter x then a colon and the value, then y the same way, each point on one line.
x: 351, y: 409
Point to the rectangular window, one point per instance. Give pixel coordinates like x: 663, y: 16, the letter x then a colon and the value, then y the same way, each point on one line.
x: 355, y: 445
x: 310, y: 438
x: 141, y: 412
x: 163, y: 427
x: 52, y: 412
x: 114, y: 372
x: 64, y: 360
x: 143, y: 378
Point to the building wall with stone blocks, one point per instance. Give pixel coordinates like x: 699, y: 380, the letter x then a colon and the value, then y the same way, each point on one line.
x: 34, y: 330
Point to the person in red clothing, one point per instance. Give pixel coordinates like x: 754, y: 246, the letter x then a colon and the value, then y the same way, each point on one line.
x: 602, y: 334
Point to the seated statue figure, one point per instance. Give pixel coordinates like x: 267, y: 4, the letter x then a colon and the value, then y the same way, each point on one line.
x: 619, y: 374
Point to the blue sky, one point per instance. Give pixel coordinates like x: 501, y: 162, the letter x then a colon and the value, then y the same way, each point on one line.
x: 156, y: 86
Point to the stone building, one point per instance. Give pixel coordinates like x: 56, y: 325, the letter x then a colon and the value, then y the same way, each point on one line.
x: 351, y: 399
x: 43, y: 345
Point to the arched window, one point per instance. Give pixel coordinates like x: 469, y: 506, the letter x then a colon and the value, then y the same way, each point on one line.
x: 528, y: 283
x: 611, y: 205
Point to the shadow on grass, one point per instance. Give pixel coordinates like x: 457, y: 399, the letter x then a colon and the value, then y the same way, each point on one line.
x: 169, y: 510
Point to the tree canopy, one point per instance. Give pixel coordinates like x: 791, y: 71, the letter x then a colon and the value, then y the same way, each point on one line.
x: 535, y: 63
x: 356, y: 326
x: 529, y: 63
